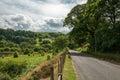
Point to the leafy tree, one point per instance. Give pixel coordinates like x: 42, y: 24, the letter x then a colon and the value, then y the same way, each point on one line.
x: 36, y: 49
x: 60, y: 43
x: 96, y: 23
x: 26, y: 51
x: 15, y: 55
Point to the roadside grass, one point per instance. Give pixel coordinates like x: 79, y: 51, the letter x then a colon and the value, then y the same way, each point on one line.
x: 112, y: 57
x: 31, y: 62
x: 68, y: 72
x: 107, y: 56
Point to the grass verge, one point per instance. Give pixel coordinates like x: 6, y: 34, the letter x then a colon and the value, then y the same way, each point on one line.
x: 107, y: 56
x: 68, y: 72
x: 111, y: 57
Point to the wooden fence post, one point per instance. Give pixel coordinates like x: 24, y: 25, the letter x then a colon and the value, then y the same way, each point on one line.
x: 52, y: 73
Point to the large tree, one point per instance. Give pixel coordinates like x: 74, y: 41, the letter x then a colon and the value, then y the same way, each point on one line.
x: 97, y: 22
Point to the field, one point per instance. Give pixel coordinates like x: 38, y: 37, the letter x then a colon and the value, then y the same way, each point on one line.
x: 22, y: 51
x: 21, y: 65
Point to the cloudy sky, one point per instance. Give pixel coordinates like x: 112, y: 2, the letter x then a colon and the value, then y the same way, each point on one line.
x: 36, y: 15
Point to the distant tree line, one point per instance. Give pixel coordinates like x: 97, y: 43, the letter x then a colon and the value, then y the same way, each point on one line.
x: 25, y: 41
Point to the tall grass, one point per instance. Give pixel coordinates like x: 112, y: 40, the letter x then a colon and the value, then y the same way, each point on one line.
x: 17, y: 67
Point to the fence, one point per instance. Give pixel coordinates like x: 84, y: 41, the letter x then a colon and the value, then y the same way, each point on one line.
x: 60, y: 67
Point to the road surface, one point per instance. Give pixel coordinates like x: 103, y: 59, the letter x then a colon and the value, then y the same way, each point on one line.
x: 89, y: 68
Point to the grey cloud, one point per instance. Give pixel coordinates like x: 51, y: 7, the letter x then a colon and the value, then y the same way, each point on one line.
x: 16, y: 22
x: 22, y: 22
x: 68, y: 1
x: 35, y: 15
x: 54, y: 23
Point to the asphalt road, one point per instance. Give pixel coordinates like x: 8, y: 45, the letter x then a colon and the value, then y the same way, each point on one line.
x: 89, y: 68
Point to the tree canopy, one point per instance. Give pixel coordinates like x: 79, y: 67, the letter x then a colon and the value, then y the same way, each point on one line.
x: 98, y: 23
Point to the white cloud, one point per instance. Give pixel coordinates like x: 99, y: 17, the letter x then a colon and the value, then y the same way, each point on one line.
x: 35, y: 15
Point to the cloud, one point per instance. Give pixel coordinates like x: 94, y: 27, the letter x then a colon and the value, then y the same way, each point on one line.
x: 35, y: 15
x: 24, y: 22
x: 16, y: 22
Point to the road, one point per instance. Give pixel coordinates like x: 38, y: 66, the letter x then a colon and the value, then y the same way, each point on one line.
x: 89, y: 68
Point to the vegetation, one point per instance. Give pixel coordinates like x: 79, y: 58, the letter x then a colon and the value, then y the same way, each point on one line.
x: 96, y: 24
x: 68, y: 72
x: 60, y: 43
x: 44, y: 71
x: 15, y: 55
x: 16, y: 67
x: 21, y: 51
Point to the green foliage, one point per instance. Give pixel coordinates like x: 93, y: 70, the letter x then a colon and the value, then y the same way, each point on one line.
x: 4, y: 76
x: 6, y: 49
x: 29, y: 54
x: 60, y: 43
x: 16, y: 54
x: 42, y: 54
x: 48, y: 57
x: 12, y: 68
x: 36, y: 49
x: 96, y: 23
x: 109, y: 56
x: 46, y: 42
x: 26, y: 51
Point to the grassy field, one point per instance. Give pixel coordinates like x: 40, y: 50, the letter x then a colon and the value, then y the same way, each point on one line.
x: 37, y: 42
x: 30, y: 62
x: 69, y: 73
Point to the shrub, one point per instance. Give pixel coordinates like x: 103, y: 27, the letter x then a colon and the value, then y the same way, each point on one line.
x: 42, y: 54
x: 12, y: 68
x: 26, y: 51
x: 41, y: 51
x: 4, y: 76
x: 15, y: 55
x: 6, y: 49
x: 36, y: 49
x: 48, y: 57
x: 29, y: 54
x: 69, y: 56
x: 46, y: 42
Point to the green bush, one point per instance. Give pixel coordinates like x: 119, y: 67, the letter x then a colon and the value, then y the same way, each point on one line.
x: 42, y: 54
x: 36, y: 49
x: 4, y: 76
x: 6, y: 49
x: 48, y: 57
x: 26, y: 51
x: 69, y: 56
x: 15, y: 55
x: 12, y: 68
x: 29, y: 54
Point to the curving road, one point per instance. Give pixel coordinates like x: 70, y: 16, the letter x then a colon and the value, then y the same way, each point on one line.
x: 89, y: 68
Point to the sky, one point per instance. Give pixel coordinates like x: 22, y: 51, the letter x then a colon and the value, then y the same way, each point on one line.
x: 36, y: 15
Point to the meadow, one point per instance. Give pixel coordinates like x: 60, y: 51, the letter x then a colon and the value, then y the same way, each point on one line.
x: 14, y: 68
